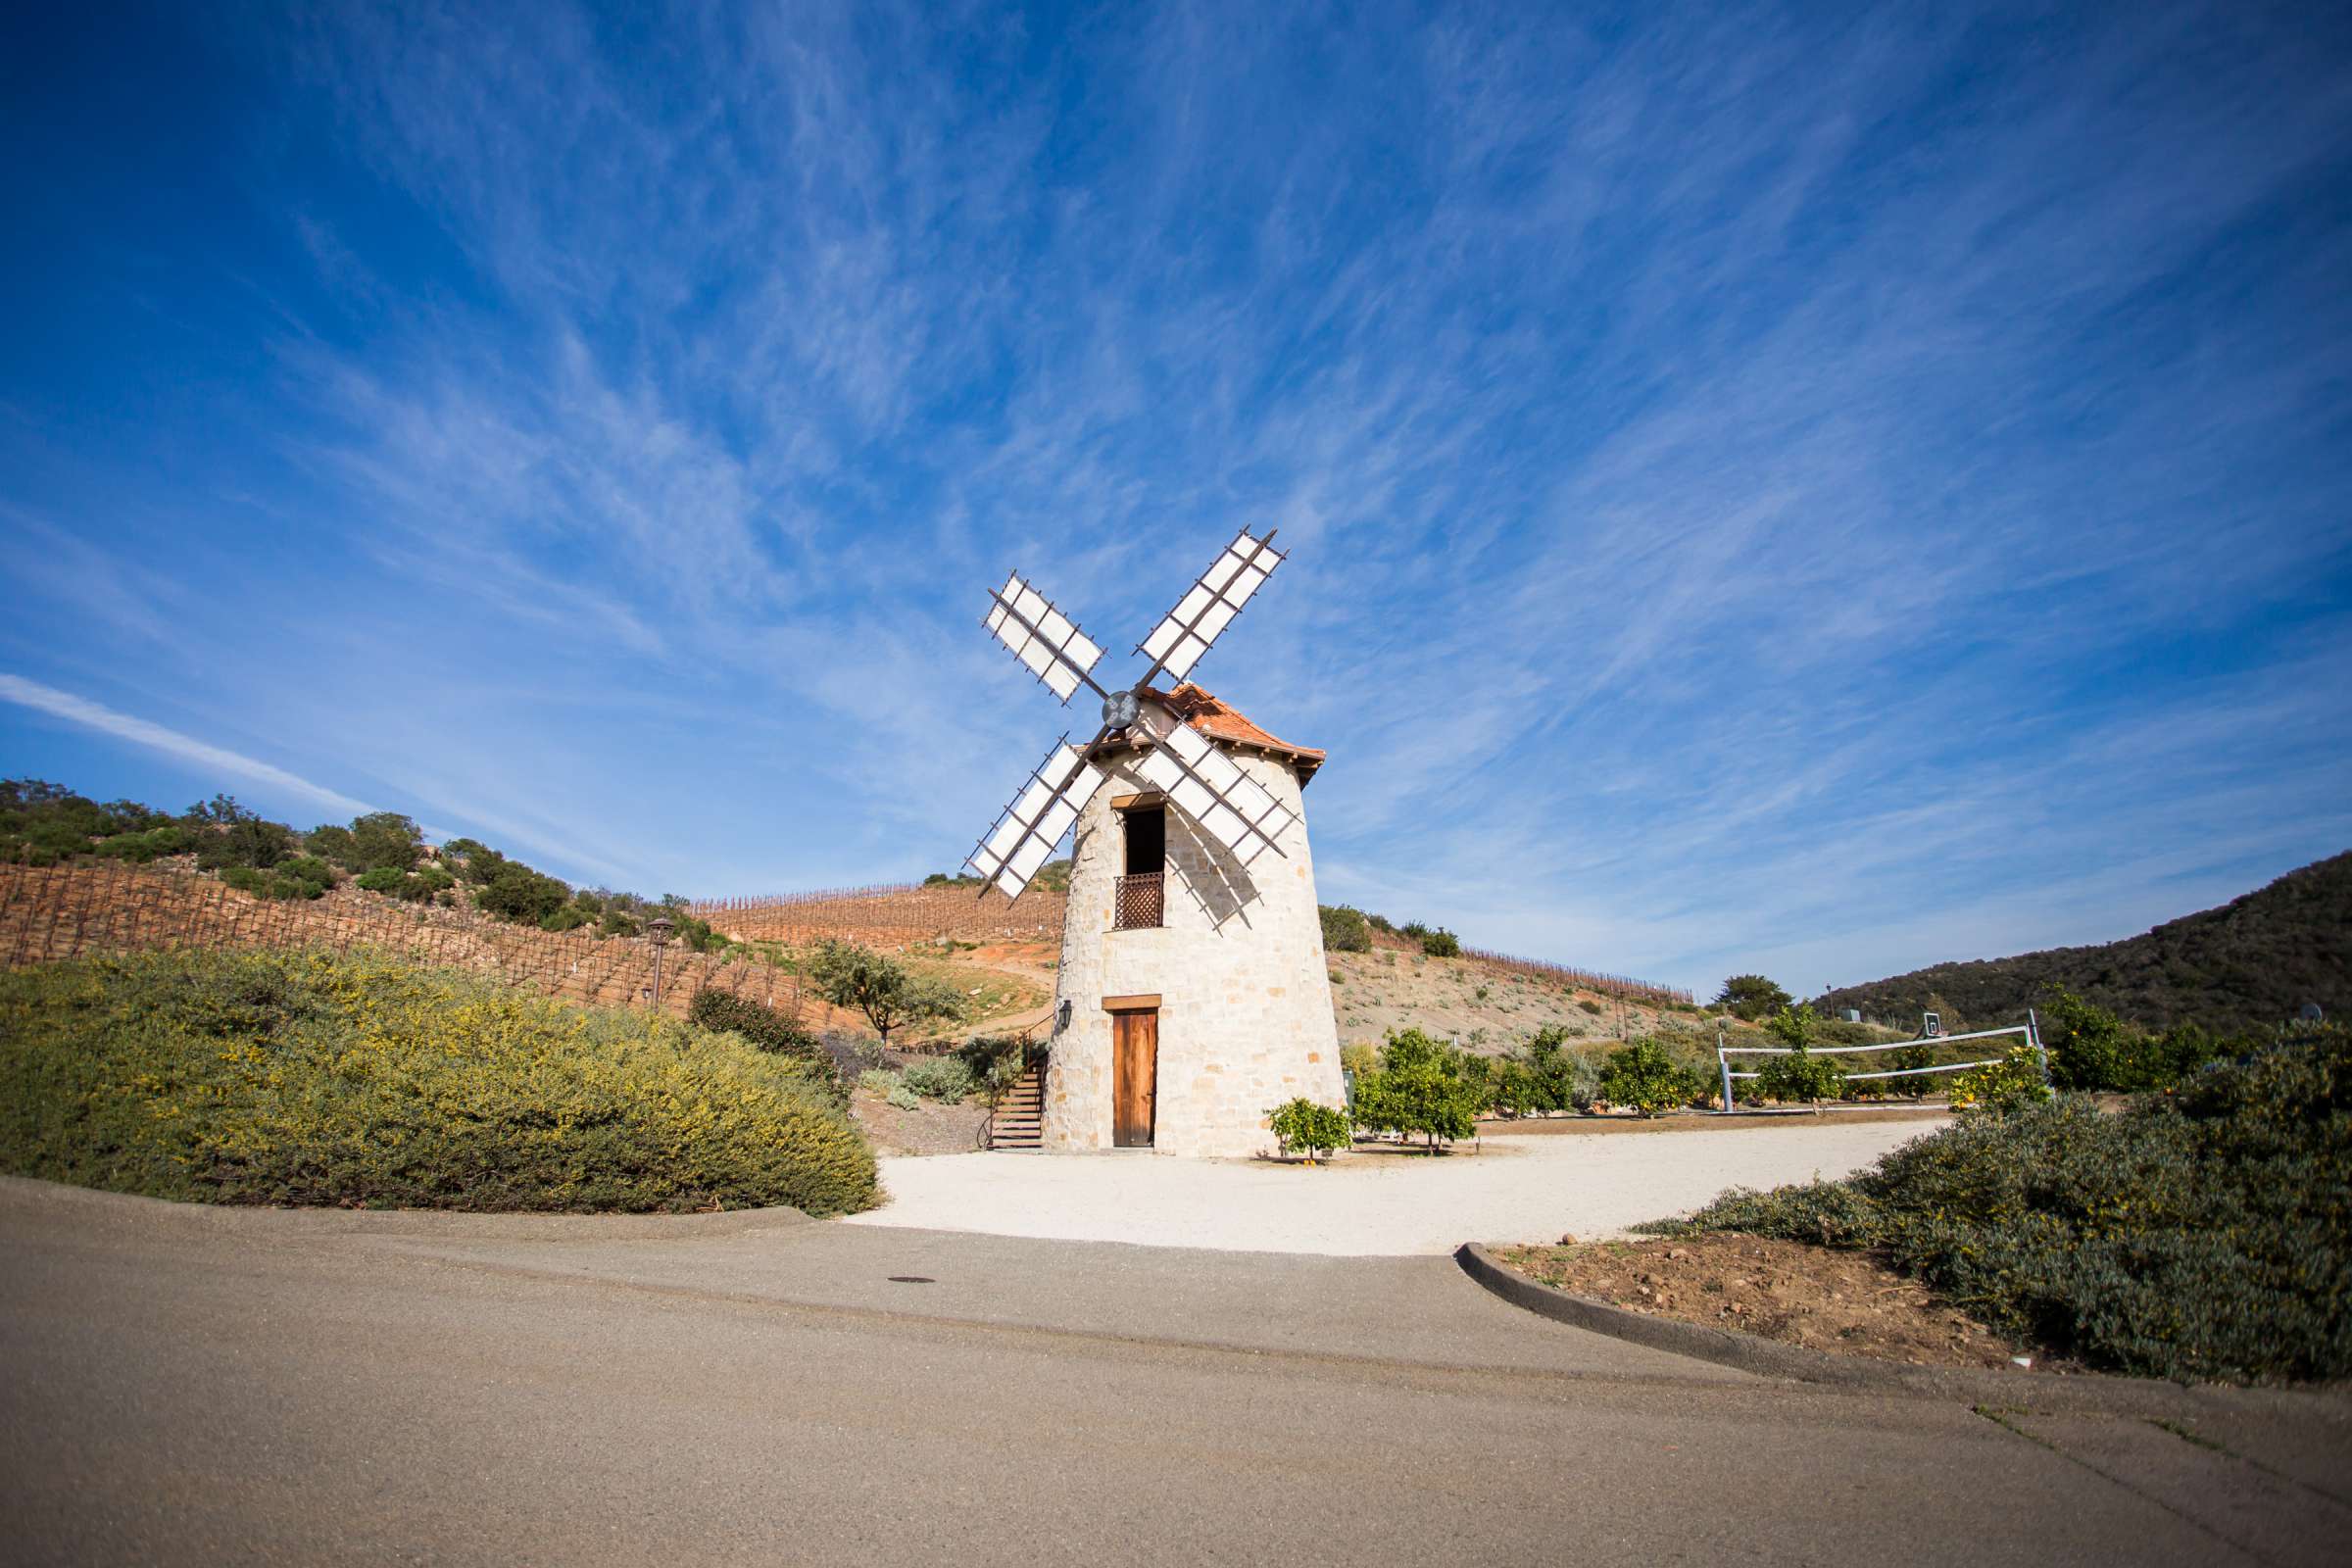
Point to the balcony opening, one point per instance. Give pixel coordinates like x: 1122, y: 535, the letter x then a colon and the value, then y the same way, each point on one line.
x: 1139, y: 899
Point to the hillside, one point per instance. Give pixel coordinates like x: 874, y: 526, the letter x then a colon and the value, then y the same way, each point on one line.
x: 1478, y: 1003
x: 2253, y: 962
x: 77, y: 876
x: 66, y: 911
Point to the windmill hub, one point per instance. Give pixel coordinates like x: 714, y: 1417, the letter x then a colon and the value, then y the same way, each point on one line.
x: 1119, y: 709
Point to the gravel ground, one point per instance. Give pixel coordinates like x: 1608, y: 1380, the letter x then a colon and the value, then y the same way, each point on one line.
x: 1370, y: 1204
x: 930, y: 1128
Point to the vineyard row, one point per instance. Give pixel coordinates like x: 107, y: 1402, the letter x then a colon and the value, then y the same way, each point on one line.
x: 54, y: 912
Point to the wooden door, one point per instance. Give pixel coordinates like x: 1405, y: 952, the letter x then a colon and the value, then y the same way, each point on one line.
x: 1134, y: 1077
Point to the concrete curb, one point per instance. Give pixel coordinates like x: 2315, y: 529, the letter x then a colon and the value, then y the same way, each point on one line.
x: 2089, y: 1392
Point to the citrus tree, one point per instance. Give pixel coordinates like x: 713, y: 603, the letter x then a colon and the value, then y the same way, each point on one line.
x: 1800, y: 1074
x: 1301, y: 1126
x: 1640, y: 1075
x: 1424, y: 1086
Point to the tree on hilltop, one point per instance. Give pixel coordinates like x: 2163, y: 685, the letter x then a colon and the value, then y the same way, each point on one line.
x: 1751, y: 997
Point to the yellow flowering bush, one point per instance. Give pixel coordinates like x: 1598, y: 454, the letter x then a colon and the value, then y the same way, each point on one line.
x: 2013, y: 1081
x: 308, y: 1077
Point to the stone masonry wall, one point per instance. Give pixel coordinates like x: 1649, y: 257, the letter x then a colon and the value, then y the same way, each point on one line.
x: 1244, y: 1013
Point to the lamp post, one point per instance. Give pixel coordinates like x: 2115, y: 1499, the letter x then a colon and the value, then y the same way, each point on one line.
x: 661, y: 927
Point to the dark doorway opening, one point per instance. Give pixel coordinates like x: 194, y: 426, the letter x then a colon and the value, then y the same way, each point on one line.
x: 1141, y: 900
x: 1147, y: 841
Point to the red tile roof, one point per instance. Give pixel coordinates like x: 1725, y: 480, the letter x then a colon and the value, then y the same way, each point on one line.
x: 1221, y: 723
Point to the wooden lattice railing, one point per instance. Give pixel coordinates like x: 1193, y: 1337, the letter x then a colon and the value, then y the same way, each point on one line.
x: 1140, y: 902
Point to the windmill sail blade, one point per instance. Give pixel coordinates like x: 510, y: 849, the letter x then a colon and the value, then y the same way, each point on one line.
x: 1044, y: 639
x: 1024, y: 836
x: 1230, y: 806
x: 1189, y: 630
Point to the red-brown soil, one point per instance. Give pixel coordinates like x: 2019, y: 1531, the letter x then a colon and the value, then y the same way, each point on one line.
x: 890, y: 915
x: 65, y: 912
x: 1844, y: 1302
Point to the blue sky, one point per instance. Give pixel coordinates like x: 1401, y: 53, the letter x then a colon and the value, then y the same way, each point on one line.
x: 1788, y: 488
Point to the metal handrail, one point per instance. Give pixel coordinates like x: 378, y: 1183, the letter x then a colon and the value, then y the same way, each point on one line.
x: 2031, y: 1029
x: 1850, y: 1051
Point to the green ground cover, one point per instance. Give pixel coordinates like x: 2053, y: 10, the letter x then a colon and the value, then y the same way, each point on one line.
x: 305, y: 1077
x: 2203, y: 1232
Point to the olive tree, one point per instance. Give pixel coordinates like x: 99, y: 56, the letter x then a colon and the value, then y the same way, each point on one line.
x: 878, y: 986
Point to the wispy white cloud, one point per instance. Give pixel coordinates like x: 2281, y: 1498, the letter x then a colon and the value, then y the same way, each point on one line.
x: 1744, y: 469
x: 170, y: 742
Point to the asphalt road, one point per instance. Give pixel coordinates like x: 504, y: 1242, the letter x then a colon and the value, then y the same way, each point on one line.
x: 207, y: 1387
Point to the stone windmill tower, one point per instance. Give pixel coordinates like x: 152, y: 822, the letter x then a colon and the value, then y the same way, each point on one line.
x: 1193, y: 996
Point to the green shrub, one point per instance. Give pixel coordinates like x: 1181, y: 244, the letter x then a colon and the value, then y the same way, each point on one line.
x: 1589, y: 1006
x: 1301, y: 1126
x: 2203, y: 1233
x: 878, y: 1081
x: 1344, y: 929
x: 570, y: 917
x: 1642, y: 1076
x: 515, y: 892
x: 1821, y: 1213
x: 941, y: 1078
x: 306, y: 868
x: 763, y: 1026
x: 240, y: 839
x: 147, y: 845
x: 1441, y: 944
x: 768, y: 1030
x: 383, y: 879
x: 995, y: 1061
x: 303, y: 1077
x: 332, y: 843
x: 698, y: 936
x: 476, y: 862
x: 386, y: 838
x: 269, y: 885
